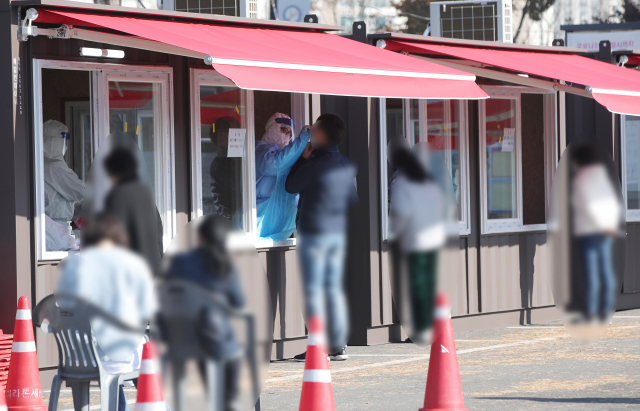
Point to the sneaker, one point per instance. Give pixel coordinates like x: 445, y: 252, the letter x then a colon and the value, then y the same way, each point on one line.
x: 339, y: 355
x: 300, y: 357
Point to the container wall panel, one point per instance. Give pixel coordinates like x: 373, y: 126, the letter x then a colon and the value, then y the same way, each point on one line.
x: 631, y: 281
x: 500, y: 273
x: 46, y: 281
x: 287, y: 301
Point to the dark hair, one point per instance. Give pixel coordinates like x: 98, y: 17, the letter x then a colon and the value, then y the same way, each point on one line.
x: 104, y: 227
x: 333, y: 126
x: 121, y: 163
x: 214, y: 230
x: 585, y: 155
x: 222, y: 124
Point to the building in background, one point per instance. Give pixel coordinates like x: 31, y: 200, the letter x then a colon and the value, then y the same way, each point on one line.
x: 543, y: 27
x: 623, y: 36
x: 292, y: 10
x: 379, y: 15
x: 472, y: 20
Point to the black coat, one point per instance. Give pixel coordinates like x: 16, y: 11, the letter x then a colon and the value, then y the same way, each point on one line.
x: 133, y: 204
x: 327, y: 186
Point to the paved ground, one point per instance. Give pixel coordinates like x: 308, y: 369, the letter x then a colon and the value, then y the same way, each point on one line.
x: 517, y: 368
x: 521, y: 368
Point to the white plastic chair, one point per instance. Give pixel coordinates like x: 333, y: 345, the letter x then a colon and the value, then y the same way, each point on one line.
x: 78, y: 363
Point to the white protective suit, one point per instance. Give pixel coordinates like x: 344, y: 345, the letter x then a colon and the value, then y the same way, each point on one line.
x: 62, y: 187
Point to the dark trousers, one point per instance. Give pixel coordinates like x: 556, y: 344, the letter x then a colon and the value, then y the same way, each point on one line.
x: 231, y: 378
x: 422, y: 281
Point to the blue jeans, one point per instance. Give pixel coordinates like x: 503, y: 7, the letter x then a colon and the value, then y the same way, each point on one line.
x: 322, y: 262
x: 122, y: 402
x: 601, y: 282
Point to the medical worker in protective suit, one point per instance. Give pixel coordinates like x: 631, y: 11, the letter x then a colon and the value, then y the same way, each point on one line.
x: 276, y: 153
x: 62, y: 187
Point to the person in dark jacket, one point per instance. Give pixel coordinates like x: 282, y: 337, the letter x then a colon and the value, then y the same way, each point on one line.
x: 209, y: 266
x: 132, y: 202
x: 225, y: 172
x: 325, y: 180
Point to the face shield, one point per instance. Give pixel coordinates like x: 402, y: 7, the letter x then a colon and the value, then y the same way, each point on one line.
x: 279, y: 130
x: 66, y: 136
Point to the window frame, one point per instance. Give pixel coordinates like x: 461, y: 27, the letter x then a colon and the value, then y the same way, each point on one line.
x: 300, y: 116
x: 208, y: 77
x: 463, y: 110
x: 631, y: 215
x: 510, y: 225
x: 100, y: 72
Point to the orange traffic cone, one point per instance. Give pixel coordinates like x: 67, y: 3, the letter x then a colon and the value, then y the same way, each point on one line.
x: 149, y: 393
x: 317, y: 393
x: 23, y: 392
x: 444, y: 388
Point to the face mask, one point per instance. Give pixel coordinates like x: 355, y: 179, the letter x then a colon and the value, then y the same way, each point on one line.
x: 314, y: 141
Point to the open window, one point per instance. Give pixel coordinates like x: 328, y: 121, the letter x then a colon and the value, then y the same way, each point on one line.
x: 631, y: 165
x: 441, y: 123
x: 78, y: 106
x: 225, y: 180
x: 517, y: 158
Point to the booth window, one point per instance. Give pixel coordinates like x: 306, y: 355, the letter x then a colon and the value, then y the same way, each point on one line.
x: 517, y: 134
x: 79, y: 106
x: 441, y: 123
x: 631, y: 165
x: 225, y: 174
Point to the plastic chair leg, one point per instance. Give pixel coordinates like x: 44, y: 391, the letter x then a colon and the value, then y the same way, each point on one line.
x: 215, y: 385
x: 55, y: 393
x: 80, y: 392
x: 109, y: 393
x: 178, y: 374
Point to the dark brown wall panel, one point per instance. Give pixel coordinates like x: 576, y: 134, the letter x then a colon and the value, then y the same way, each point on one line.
x: 631, y: 281
x: 533, y: 181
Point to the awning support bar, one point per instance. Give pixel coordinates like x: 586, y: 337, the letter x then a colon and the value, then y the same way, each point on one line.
x: 65, y: 32
x: 511, y: 78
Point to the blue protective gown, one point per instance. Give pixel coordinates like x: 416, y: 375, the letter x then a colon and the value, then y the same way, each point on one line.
x: 276, y: 208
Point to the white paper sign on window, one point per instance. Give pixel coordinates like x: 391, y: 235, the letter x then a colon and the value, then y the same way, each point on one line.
x: 236, y: 142
x: 509, y: 140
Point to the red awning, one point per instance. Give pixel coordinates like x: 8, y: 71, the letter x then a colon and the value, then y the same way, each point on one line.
x: 616, y: 88
x: 290, y: 60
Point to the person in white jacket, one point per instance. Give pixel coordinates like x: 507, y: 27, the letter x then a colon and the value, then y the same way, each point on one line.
x: 597, y: 213
x: 62, y: 187
x: 417, y: 221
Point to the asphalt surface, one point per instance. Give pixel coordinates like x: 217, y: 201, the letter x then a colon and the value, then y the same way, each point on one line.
x: 539, y: 367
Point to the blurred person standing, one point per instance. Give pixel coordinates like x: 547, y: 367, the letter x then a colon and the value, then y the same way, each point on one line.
x: 417, y: 215
x: 210, y: 267
x: 597, y: 212
x: 225, y: 173
x: 117, y: 281
x: 275, y: 155
x: 325, y: 180
x: 132, y: 202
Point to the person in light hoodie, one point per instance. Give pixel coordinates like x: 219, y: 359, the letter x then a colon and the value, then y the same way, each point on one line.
x: 597, y: 211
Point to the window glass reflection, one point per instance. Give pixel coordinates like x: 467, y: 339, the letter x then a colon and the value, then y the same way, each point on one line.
x: 632, y: 161
x: 501, y: 158
x: 222, y: 113
x: 443, y: 134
